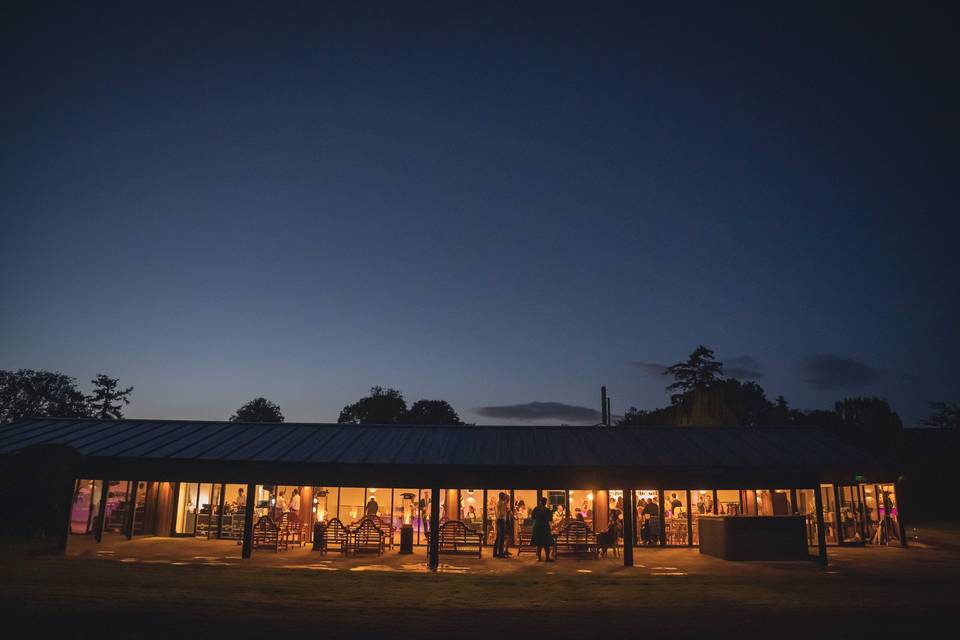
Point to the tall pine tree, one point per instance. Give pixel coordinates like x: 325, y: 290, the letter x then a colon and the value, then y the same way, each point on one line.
x: 108, y: 399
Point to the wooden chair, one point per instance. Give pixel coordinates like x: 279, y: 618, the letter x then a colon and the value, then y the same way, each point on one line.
x: 266, y: 535
x: 335, y: 535
x: 367, y: 536
x: 575, y: 538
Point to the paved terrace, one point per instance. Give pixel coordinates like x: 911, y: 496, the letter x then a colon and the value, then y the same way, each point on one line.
x: 654, y: 561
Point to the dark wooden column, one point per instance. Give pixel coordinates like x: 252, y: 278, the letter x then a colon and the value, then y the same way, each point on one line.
x: 837, y: 522
x: 630, y: 508
x: 102, y: 509
x: 131, y: 508
x: 716, y: 502
x: 663, y: 519
x: 601, y: 510
x: 306, y: 510
x: 248, y: 522
x: 821, y: 532
x: 452, y: 510
x: 793, y: 502
x: 220, y: 504
x: 689, y: 521
x: 902, y: 530
x: 483, y: 514
x: 433, y: 556
x: 68, y: 504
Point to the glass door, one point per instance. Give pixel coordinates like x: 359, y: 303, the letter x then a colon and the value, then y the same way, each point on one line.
x: 188, y: 497
x: 851, y: 515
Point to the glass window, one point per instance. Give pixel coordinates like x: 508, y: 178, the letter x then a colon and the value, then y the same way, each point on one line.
x: 351, y: 504
x: 117, y: 506
x: 471, y: 508
x: 648, y: 515
x: 405, y: 512
x: 889, y: 521
x: 524, y: 502
x: 139, y: 511
x: 581, y: 504
x: 86, y: 502
x: 704, y: 506
x: 729, y: 500
x: 806, y: 506
x: 851, y: 515
x: 556, y: 502
x: 205, y: 512
x: 234, y: 508
x: 675, y: 513
x: 829, y: 513
x: 186, y: 515
x: 325, y: 503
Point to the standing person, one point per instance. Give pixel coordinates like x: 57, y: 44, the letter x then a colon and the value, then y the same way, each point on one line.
x: 241, y: 501
x: 372, y: 507
x: 542, y: 537
x: 282, y: 506
x: 500, y: 513
x: 295, y: 506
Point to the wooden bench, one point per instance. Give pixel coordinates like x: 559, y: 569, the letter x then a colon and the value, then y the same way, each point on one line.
x: 368, y: 537
x: 291, y: 530
x: 335, y: 535
x: 525, y: 538
x: 575, y: 538
x: 267, y: 535
x: 456, y: 538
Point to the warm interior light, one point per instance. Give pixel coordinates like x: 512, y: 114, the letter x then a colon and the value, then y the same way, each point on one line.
x: 373, y: 490
x: 590, y: 496
x: 702, y: 492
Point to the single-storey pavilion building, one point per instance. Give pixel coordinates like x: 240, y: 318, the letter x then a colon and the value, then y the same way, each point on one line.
x: 731, y: 489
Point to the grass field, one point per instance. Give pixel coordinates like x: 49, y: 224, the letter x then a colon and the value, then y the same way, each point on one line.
x: 865, y: 593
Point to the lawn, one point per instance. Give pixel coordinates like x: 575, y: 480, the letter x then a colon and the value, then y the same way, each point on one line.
x: 865, y: 593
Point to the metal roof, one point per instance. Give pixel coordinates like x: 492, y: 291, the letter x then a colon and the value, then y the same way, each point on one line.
x: 386, y: 445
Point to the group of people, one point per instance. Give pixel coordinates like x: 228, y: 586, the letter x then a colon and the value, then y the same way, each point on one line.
x: 541, y: 536
x: 282, y: 505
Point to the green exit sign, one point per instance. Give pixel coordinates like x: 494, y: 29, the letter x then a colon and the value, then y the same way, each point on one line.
x: 859, y: 478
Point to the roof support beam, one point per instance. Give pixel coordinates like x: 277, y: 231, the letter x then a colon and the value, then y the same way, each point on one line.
x: 248, y: 522
x: 433, y: 557
x: 821, y: 527
x: 102, y: 510
x: 630, y: 510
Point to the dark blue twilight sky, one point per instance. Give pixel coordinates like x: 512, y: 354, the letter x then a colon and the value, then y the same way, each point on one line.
x: 494, y: 207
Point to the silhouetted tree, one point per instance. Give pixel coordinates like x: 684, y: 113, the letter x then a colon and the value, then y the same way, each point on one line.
x: 107, y: 400
x: 431, y: 412
x: 700, y: 371
x: 382, y: 406
x: 258, y: 410
x: 870, y: 417
x: 634, y: 417
x: 25, y: 393
x: 946, y: 415
x: 781, y: 412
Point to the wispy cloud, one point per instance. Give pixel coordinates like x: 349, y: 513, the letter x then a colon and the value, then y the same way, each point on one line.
x: 831, y: 371
x: 737, y: 367
x: 745, y: 367
x: 650, y: 369
x: 540, y: 411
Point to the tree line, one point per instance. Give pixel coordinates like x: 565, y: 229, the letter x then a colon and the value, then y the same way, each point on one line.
x: 702, y: 396
x: 382, y: 406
